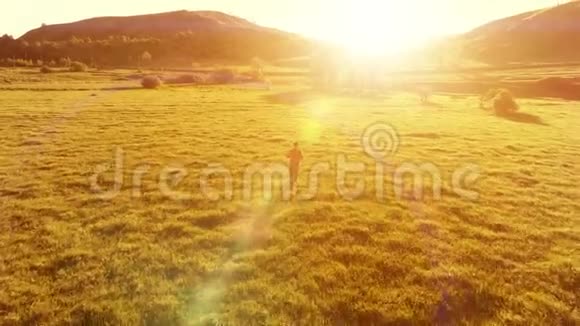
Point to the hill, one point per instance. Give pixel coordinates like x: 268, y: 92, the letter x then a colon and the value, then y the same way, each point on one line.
x: 546, y: 35
x: 173, y: 38
x: 154, y: 25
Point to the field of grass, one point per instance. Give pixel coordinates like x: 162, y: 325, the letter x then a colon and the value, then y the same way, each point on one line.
x: 509, y: 257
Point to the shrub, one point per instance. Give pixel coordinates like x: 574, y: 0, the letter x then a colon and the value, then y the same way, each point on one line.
x: 487, y: 97
x: 223, y: 76
x: 77, y: 66
x: 151, y: 82
x: 186, y: 79
x: 502, y: 101
x: 45, y: 70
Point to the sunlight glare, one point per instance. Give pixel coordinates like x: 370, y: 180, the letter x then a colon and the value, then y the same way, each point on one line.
x: 368, y: 28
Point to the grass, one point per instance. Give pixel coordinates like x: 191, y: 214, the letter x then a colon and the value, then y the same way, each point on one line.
x: 510, y: 257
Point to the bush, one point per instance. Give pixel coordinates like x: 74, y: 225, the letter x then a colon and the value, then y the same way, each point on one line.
x: 487, y: 97
x: 500, y: 100
x: 77, y: 66
x: 504, y: 103
x: 45, y: 70
x: 151, y: 82
x: 224, y: 76
x: 185, y: 79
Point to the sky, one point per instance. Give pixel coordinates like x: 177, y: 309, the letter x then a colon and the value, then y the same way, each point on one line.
x: 405, y: 21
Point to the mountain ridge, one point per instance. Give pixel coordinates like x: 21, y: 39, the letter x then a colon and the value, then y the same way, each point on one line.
x: 545, y: 35
x: 170, y: 39
x: 147, y: 25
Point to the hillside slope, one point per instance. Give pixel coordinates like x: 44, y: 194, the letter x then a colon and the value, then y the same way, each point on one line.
x: 173, y: 39
x: 154, y: 25
x: 548, y: 35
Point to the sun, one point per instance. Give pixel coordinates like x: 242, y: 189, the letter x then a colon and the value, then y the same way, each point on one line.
x: 375, y: 28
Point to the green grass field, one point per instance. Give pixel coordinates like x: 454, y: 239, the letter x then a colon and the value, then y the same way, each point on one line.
x: 510, y: 257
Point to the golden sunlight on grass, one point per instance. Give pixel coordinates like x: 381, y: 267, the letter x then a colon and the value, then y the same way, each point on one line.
x: 506, y: 258
x: 196, y: 168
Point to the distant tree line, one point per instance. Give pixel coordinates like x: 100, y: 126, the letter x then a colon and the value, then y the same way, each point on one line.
x: 179, y: 49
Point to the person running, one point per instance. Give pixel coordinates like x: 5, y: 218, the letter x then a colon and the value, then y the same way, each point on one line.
x: 295, y: 157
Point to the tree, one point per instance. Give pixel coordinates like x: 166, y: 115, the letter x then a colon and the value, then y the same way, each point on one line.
x: 146, y: 57
x: 65, y: 62
x: 25, y: 45
x: 258, y: 65
x: 257, y: 72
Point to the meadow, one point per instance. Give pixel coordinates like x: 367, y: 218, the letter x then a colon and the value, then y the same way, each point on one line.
x: 509, y: 257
